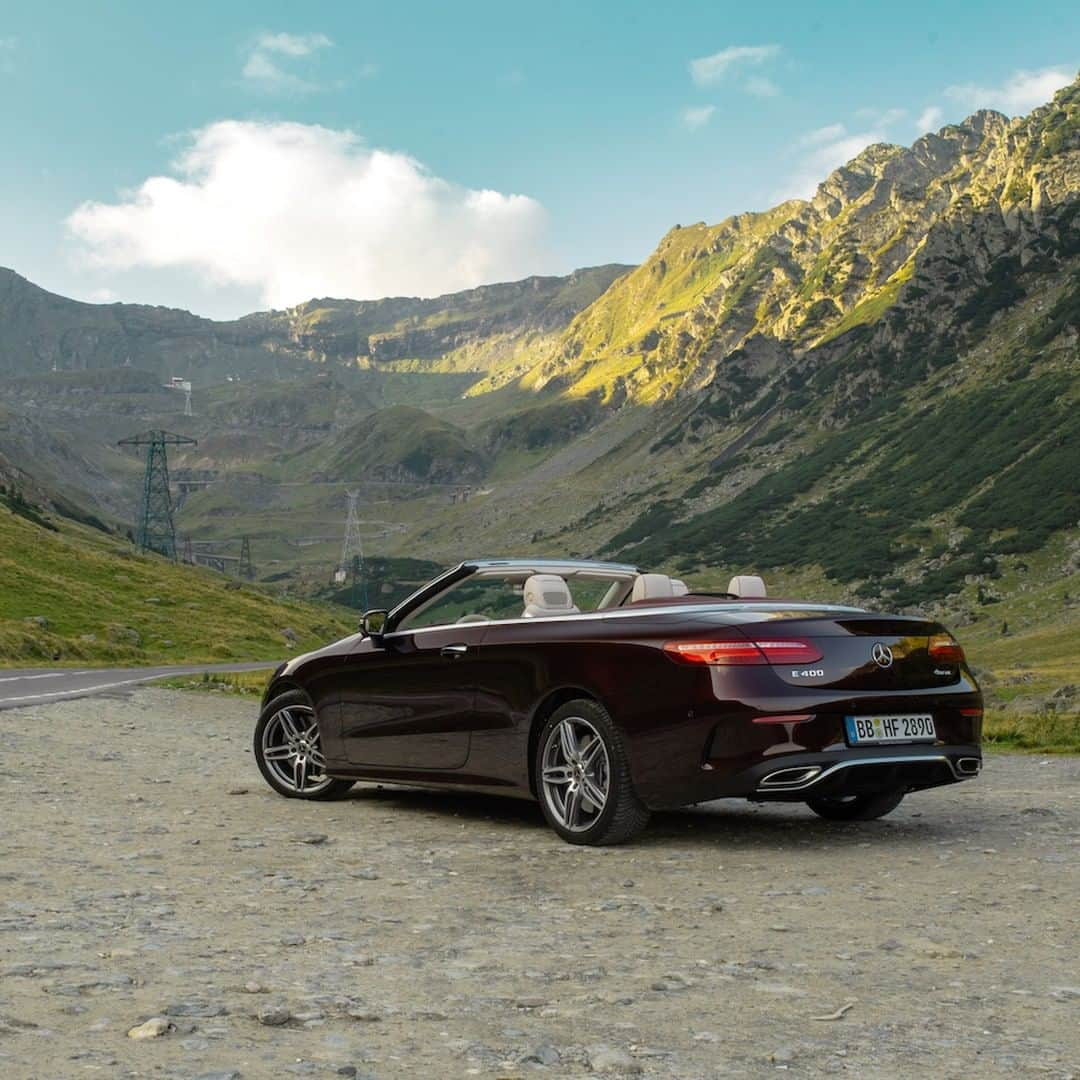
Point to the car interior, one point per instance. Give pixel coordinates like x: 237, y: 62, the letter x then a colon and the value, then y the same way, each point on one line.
x: 496, y: 595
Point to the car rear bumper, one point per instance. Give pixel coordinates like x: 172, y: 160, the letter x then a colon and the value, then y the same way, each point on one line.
x: 797, y: 777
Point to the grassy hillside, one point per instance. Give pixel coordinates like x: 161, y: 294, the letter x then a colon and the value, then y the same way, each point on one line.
x: 73, y: 594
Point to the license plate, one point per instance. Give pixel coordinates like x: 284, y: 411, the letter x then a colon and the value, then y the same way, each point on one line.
x: 875, y: 730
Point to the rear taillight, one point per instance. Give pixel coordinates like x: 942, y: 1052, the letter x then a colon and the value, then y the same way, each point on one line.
x: 733, y: 653
x: 974, y: 713
x: 797, y: 718
x: 945, y: 649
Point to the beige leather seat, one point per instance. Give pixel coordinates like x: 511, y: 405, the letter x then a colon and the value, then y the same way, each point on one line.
x: 652, y: 587
x: 547, y: 594
x: 679, y: 588
x: 747, y: 587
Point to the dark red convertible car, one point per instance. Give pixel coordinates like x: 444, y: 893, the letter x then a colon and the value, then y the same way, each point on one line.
x: 605, y: 692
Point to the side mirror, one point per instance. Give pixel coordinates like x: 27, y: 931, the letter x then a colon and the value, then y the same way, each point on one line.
x: 372, y: 623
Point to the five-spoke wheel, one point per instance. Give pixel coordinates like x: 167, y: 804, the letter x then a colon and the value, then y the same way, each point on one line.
x: 289, y: 752
x: 583, y: 777
x: 576, y: 773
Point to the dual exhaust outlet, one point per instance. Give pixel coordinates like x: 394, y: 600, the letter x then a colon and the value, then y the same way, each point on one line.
x: 798, y: 777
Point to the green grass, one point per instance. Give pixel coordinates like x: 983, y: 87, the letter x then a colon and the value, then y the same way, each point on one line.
x: 103, y: 602
x: 1038, y: 733
x: 239, y: 683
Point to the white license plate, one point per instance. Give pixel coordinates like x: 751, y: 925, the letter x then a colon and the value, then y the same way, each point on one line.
x: 875, y: 730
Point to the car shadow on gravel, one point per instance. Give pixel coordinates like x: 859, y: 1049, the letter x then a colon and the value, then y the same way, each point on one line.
x: 725, y: 823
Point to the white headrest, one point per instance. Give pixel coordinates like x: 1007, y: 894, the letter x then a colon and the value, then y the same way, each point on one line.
x: 748, y: 586
x: 679, y: 588
x: 547, y: 594
x: 651, y: 587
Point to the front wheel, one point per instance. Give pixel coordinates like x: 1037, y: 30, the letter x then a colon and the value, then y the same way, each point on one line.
x: 855, y: 807
x: 288, y: 750
x: 583, y: 777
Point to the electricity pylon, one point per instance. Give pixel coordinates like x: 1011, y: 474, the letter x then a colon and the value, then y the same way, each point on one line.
x: 352, y: 549
x: 246, y: 570
x: 154, y: 529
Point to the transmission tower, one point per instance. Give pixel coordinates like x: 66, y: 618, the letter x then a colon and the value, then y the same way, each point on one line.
x: 187, y: 401
x: 246, y: 569
x: 154, y: 529
x: 188, y: 554
x: 352, y: 549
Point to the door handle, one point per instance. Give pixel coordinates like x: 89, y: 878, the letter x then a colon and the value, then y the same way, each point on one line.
x: 453, y: 652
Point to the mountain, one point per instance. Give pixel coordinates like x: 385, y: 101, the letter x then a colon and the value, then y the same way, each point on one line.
x: 77, y: 594
x: 468, y: 331
x: 943, y: 233
x: 870, y: 395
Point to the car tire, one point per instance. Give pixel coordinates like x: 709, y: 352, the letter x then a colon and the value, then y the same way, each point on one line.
x: 856, y: 807
x: 598, y: 767
x: 287, y: 723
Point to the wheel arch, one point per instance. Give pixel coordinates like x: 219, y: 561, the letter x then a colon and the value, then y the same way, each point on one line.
x: 553, y: 700
x: 281, y: 686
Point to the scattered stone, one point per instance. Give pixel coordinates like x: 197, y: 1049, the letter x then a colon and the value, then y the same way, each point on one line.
x: 38, y: 620
x: 784, y: 1056
x: 542, y: 1055
x: 292, y: 939
x: 313, y: 838
x: 363, y: 1014
x: 123, y: 635
x: 290, y: 635
x: 195, y: 1008
x: 606, y: 1059
x: 237, y: 791
x: 273, y: 1015
x: 366, y: 874
x: 153, y: 1028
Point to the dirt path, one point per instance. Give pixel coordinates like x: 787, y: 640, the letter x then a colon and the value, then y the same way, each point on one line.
x: 147, y: 872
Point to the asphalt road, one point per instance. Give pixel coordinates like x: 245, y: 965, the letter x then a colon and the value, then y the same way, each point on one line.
x: 39, y: 686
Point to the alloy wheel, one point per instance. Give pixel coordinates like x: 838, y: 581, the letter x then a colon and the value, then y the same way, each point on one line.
x: 292, y: 751
x: 575, y: 773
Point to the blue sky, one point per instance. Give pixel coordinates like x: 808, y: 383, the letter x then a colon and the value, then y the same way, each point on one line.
x: 230, y: 157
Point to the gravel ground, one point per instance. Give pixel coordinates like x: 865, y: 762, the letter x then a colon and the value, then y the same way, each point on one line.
x: 149, y: 878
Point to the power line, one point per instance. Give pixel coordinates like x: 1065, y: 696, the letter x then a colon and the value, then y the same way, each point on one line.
x: 155, y: 529
x: 352, y: 550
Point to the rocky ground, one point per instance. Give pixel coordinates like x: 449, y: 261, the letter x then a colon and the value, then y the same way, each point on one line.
x: 151, y: 884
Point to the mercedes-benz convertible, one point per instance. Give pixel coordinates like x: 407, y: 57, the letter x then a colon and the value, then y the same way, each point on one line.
x: 605, y: 692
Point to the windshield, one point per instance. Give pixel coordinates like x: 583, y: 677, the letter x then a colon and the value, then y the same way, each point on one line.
x: 489, y: 597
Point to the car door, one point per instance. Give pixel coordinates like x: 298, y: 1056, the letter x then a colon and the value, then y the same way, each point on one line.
x: 411, y: 703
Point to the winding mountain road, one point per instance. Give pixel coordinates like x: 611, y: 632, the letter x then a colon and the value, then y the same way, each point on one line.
x: 37, y: 686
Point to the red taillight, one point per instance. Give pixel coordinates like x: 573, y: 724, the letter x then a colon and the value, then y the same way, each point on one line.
x: 800, y: 718
x: 973, y: 713
x: 725, y: 653
x: 945, y: 649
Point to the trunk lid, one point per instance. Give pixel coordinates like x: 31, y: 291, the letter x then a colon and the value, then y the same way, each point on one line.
x: 860, y: 652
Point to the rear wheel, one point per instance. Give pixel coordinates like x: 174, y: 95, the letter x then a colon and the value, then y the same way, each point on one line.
x: 856, y: 807
x: 583, y: 777
x: 288, y: 750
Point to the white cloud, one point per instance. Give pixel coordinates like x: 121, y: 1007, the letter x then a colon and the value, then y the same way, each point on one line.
x: 1020, y: 93
x: 760, y: 86
x: 929, y: 119
x: 829, y: 133
x: 707, y: 70
x: 697, y: 116
x: 297, y: 211
x: 880, y: 118
x: 827, y: 149
x: 264, y: 68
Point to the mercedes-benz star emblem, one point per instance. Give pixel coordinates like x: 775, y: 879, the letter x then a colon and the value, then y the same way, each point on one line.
x: 882, y: 655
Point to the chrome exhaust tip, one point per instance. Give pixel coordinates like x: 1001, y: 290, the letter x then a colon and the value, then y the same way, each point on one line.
x: 790, y: 778
x: 969, y: 766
